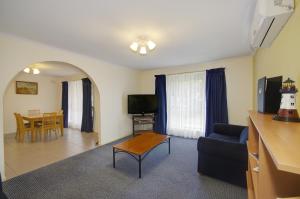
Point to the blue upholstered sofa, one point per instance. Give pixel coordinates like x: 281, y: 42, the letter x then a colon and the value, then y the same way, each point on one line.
x: 223, y: 154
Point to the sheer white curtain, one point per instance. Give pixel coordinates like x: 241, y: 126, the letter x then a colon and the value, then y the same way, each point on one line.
x: 186, y: 104
x: 75, y: 103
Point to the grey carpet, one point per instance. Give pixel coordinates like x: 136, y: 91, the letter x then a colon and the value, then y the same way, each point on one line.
x: 90, y: 175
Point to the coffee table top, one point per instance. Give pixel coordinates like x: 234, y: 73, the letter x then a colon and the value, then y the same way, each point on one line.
x: 142, y: 143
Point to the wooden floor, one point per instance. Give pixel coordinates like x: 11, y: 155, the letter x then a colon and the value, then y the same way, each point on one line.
x: 21, y: 158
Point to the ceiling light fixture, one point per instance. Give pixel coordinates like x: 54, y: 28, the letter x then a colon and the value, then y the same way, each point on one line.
x: 151, y: 45
x: 143, y: 50
x: 27, y: 70
x: 142, y: 46
x: 134, y: 46
x: 35, y: 71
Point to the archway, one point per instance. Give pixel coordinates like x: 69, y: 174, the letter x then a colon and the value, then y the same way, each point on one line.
x: 59, y: 79
x: 114, y: 82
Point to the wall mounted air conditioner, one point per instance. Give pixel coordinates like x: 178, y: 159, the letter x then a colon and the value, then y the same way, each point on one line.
x: 269, y: 18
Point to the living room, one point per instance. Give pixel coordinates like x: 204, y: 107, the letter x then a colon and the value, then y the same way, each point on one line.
x: 194, y: 37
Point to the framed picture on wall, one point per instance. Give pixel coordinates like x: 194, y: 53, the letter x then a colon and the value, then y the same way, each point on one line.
x: 26, y: 88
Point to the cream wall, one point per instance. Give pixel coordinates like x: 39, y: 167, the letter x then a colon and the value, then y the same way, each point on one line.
x: 239, y: 80
x: 283, y: 57
x: 45, y: 100
x: 113, y: 81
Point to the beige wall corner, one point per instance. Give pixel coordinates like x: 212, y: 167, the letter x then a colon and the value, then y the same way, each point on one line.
x: 282, y: 58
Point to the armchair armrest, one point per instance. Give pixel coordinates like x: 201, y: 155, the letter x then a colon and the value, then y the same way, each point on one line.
x: 228, y: 129
x: 223, y: 149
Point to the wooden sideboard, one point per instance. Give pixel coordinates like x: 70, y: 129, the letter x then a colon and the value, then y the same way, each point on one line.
x: 274, y: 158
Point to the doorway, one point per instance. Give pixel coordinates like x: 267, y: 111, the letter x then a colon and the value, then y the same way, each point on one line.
x: 22, y: 157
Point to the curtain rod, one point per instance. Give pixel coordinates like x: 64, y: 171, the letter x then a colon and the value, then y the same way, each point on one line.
x: 185, y: 72
x: 198, y: 71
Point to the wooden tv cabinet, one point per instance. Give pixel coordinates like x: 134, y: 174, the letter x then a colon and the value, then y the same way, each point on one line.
x: 274, y: 158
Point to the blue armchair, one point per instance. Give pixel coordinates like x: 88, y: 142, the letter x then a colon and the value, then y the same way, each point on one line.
x: 223, y: 154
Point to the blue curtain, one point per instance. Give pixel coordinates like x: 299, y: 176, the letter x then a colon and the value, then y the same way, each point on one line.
x: 161, y: 94
x: 87, y: 111
x: 216, y: 98
x: 64, y: 102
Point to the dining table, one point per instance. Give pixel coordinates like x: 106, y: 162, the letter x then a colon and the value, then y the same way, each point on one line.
x: 32, y: 119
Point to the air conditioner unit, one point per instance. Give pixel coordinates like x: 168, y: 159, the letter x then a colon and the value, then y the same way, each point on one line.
x: 269, y: 18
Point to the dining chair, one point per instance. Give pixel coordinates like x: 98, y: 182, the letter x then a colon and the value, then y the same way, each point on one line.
x: 22, y: 127
x: 49, y: 124
x: 17, y: 136
x: 59, y: 120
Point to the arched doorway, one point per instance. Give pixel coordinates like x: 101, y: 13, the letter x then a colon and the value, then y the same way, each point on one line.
x: 114, y: 83
x: 54, y: 72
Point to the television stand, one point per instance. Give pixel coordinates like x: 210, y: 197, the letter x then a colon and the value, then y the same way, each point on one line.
x: 140, y: 120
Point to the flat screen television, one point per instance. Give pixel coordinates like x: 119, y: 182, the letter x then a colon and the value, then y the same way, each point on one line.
x: 142, y: 104
x: 268, y: 94
x: 273, y: 94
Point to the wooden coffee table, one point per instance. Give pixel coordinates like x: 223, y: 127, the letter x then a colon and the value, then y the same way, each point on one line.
x: 140, y: 146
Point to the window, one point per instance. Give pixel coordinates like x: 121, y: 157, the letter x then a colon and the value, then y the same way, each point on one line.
x: 75, y: 101
x: 186, y: 104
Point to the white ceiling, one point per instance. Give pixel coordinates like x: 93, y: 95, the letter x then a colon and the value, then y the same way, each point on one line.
x: 57, y: 69
x: 186, y: 32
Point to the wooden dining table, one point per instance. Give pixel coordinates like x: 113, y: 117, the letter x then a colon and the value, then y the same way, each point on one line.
x: 32, y: 119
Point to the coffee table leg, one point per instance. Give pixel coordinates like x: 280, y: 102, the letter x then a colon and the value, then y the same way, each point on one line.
x: 169, y: 145
x: 140, y: 166
x: 114, y: 158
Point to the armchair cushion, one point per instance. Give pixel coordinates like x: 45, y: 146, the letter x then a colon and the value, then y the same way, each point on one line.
x: 224, y: 137
x: 244, y: 136
x: 228, y: 129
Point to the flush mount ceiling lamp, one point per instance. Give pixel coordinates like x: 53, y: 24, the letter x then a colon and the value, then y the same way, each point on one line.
x: 26, y: 70
x: 34, y: 71
x: 142, y: 46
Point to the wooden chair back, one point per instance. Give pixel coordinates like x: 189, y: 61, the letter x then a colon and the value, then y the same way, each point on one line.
x: 49, y: 120
x: 59, y: 113
x: 21, y: 127
x: 20, y: 122
x: 17, y: 122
